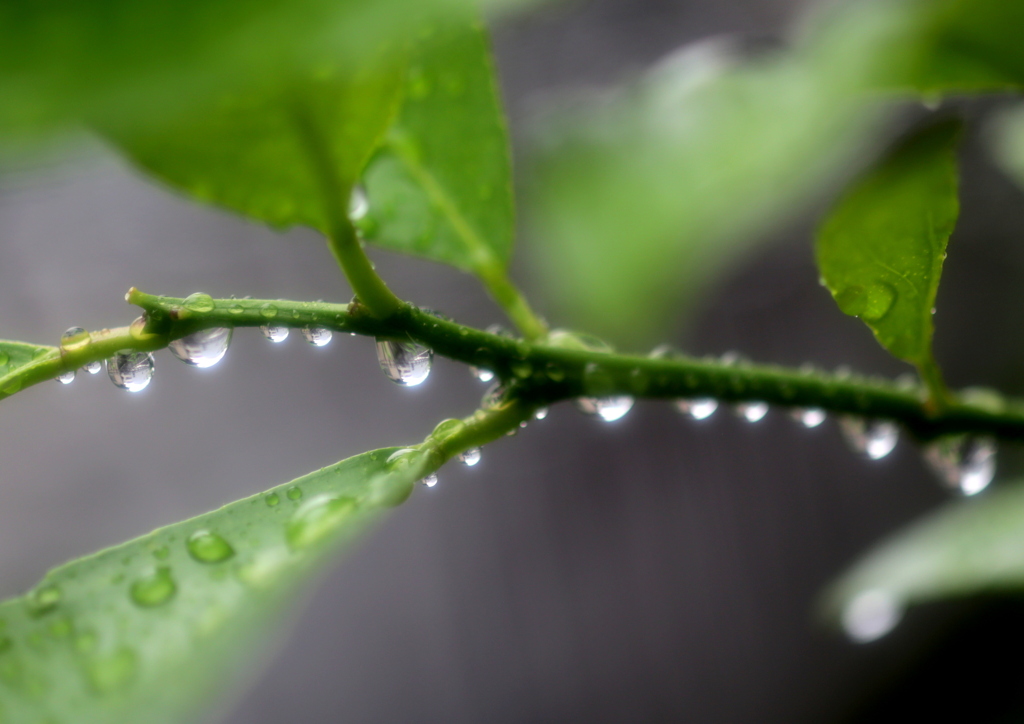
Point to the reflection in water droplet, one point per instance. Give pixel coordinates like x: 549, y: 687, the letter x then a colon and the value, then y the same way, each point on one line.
x: 274, y: 334
x: 404, y: 363
x: 204, y: 348
x: 358, y: 203
x: 430, y: 480
x: 752, y: 411
x: 93, y: 367
x: 155, y: 588
x: 272, y: 499
x: 871, y: 615
x: 540, y: 413
x: 111, y: 671
x: 870, y: 437
x: 198, y: 302
x: 699, y: 409
x: 966, y: 463
x: 130, y: 370
x: 470, y: 457
x: 608, y: 409
x: 74, y: 339
x: 208, y: 547
x: 66, y: 378
x: 317, y: 336
x: 808, y: 416
x: 481, y: 374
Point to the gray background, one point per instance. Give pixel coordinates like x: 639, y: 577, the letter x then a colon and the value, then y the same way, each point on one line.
x: 650, y: 570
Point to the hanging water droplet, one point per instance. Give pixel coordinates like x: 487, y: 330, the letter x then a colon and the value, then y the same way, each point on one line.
x: 155, y: 588
x: 317, y: 336
x: 966, y: 463
x: 204, y: 348
x: 404, y: 363
x: 871, y: 615
x: 430, y: 480
x: 753, y: 411
x: 66, y: 378
x: 274, y: 334
x: 198, y: 302
x: 870, y: 437
x: 93, y: 367
x: 609, y: 408
x: 358, y: 203
x: 700, y: 408
x: 74, y: 339
x: 808, y: 416
x: 540, y: 413
x: 208, y: 547
x: 130, y: 370
x: 470, y: 457
x: 481, y: 374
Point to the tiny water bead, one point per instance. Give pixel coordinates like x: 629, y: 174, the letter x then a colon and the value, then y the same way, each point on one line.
x: 700, y: 408
x: 358, y: 203
x: 317, y: 336
x: 404, y: 363
x: 870, y: 437
x: 430, y: 480
x: 154, y: 589
x: 752, y: 411
x: 809, y: 416
x: 66, y: 378
x: 274, y: 333
x: 198, y: 302
x: 204, y: 348
x: 74, y: 339
x: 130, y: 370
x: 871, y: 615
x: 470, y: 457
x: 966, y: 463
x: 272, y: 499
x: 608, y: 409
x: 93, y: 367
x: 208, y: 547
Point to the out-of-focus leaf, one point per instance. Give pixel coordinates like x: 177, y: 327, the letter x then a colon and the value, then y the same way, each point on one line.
x: 286, y: 153
x: 151, y: 629
x: 15, y: 357
x: 1006, y: 142
x: 880, y: 251
x: 967, y: 547
x: 441, y: 186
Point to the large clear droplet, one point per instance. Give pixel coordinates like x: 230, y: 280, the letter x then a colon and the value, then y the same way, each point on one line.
x: 481, y: 374
x: 871, y: 615
x: 130, y: 370
x: 404, y: 363
x: 809, y: 416
x: 74, y: 339
x: 966, y: 463
x: 752, y: 411
x: 699, y: 409
x: 317, y: 336
x: 93, y: 367
x: 608, y: 409
x: 154, y: 589
x: 870, y: 437
x: 198, y: 302
x: 274, y: 333
x: 204, y: 348
x: 430, y: 480
x: 470, y: 457
x: 66, y: 378
x: 208, y: 547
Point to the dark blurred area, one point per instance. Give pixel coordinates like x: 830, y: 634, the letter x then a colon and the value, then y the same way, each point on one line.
x: 654, y: 569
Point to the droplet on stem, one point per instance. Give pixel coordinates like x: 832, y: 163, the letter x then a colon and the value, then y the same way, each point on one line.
x: 966, y: 463
x: 700, y: 408
x: 870, y: 437
x: 274, y: 333
x: 93, y: 367
x: 204, y: 348
x: 609, y: 408
x: 470, y: 457
x: 404, y: 363
x: 317, y: 336
x: 753, y: 411
x: 130, y: 370
x: 66, y: 378
x: 74, y: 339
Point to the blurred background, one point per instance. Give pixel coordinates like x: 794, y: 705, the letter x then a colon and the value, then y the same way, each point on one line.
x: 653, y: 569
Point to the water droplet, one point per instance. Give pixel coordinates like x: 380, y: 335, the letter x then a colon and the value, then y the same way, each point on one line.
x: 870, y: 437
x: 74, y: 339
x: 700, y: 408
x: 495, y: 396
x: 43, y: 600
x: 316, y: 519
x: 268, y: 311
x: 470, y: 457
x: 481, y: 374
x: 609, y: 408
x: 130, y: 370
x: 66, y: 378
x: 405, y: 363
x: 272, y: 499
x: 198, y: 302
x: 430, y: 480
x: 274, y: 334
x: 208, y: 547
x: 112, y: 671
x: 753, y: 411
x: 155, y: 588
x: 294, y: 493
x: 963, y: 462
x: 808, y: 416
x: 93, y: 367
x: 204, y: 348
x: 871, y: 615
x: 871, y: 302
x: 358, y: 203
x: 540, y: 413
x: 317, y: 336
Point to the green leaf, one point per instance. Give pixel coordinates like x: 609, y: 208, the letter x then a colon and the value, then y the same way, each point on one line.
x: 285, y: 153
x: 880, y: 251
x: 965, y: 548
x: 15, y: 358
x: 441, y: 187
x: 1006, y: 142
x: 150, y: 629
